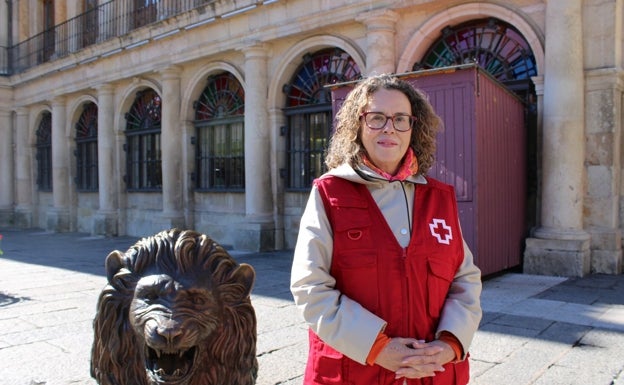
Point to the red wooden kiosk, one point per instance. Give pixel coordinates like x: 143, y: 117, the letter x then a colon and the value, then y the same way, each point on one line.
x: 482, y: 152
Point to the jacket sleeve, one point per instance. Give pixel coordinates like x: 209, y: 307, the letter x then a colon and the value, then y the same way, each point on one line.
x: 329, y: 313
x: 462, y: 310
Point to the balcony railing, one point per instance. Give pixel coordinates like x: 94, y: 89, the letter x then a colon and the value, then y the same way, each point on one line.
x: 4, y: 60
x: 106, y: 21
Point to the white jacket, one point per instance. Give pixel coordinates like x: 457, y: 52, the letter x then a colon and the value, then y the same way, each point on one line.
x: 341, y: 322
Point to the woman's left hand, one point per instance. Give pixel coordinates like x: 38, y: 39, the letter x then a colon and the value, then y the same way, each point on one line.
x: 424, y: 364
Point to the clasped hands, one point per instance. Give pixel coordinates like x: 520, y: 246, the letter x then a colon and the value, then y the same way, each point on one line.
x: 412, y: 358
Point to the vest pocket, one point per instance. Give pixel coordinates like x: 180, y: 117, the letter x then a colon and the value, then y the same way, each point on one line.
x: 327, y: 364
x: 439, y: 278
x: 356, y: 277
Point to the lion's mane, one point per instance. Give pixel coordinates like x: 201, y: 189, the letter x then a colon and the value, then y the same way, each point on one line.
x: 227, y: 343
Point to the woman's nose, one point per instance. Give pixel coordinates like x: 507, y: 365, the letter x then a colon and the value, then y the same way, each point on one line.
x: 389, y: 126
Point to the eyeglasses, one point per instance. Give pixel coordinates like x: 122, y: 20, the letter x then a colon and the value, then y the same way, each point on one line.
x: 377, y: 121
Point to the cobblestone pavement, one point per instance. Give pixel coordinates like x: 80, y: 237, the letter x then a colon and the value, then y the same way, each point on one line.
x: 536, y: 329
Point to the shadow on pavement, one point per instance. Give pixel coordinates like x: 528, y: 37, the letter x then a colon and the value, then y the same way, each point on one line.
x: 86, y: 254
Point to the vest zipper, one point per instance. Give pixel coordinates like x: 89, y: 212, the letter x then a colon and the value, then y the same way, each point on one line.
x: 406, y: 290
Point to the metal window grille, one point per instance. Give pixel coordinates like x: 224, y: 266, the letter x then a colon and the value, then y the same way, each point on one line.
x: 220, y: 156
x: 309, y: 111
x: 307, y: 146
x: 143, y: 151
x: 220, y: 144
x: 86, y: 149
x: 44, y: 153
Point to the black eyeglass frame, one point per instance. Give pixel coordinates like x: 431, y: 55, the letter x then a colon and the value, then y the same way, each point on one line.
x: 413, y: 120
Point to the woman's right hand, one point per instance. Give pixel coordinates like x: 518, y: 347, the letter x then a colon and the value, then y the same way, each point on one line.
x: 398, y: 349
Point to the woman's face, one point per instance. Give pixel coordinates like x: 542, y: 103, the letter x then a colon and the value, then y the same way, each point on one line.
x: 386, y: 147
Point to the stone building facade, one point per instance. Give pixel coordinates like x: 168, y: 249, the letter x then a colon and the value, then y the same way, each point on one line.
x: 127, y: 117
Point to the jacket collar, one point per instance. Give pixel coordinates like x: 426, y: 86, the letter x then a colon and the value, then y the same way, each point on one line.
x: 364, y: 175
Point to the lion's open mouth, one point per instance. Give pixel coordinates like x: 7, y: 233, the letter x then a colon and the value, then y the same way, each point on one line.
x: 169, y: 367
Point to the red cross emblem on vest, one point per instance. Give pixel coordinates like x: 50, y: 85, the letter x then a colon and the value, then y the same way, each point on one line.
x: 441, y: 231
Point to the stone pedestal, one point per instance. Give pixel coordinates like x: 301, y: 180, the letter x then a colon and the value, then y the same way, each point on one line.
x: 560, y: 257
x: 7, y: 217
x: 23, y: 218
x: 255, y: 236
x: 606, y: 251
x: 167, y: 221
x: 105, y: 223
x: 58, y: 220
x: 606, y: 262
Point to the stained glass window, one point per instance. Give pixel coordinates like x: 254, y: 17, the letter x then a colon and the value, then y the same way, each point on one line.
x: 220, y: 145
x: 86, y: 149
x: 44, y: 152
x: 143, y: 151
x: 495, y: 45
x: 309, y: 112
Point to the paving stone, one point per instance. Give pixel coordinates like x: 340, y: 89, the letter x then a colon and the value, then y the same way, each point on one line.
x: 599, y: 350
x: 524, y: 322
x: 564, y: 333
x: 559, y: 375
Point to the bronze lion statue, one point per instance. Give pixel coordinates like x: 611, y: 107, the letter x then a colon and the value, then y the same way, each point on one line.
x: 176, y: 310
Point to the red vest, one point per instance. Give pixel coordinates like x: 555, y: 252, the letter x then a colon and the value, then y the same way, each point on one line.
x: 406, y: 287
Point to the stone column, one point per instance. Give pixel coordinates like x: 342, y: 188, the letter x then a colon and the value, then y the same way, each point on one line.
x: 604, y: 116
x: 58, y: 216
x: 278, y: 157
x: 171, y: 145
x: 561, y: 246
x: 538, y: 82
x: 259, y: 226
x: 380, y: 44
x: 23, y: 171
x: 105, y: 220
x: 6, y: 167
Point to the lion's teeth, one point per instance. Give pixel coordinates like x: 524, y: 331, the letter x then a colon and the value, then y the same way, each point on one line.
x: 181, y: 353
x: 158, y: 352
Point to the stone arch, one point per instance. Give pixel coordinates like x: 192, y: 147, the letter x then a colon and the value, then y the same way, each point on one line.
x: 197, y: 83
x: 74, y: 110
x: 34, y: 119
x: 429, y: 32
x: 291, y: 60
x: 127, y: 98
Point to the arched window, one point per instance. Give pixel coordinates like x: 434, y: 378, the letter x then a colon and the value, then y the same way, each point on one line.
x: 44, y: 152
x: 143, y: 152
x: 495, y: 45
x: 219, y: 124
x: 503, y: 52
x: 309, y: 112
x: 86, y: 149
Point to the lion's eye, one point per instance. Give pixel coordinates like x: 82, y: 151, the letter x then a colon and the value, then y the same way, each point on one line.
x: 150, y: 296
x: 197, y: 300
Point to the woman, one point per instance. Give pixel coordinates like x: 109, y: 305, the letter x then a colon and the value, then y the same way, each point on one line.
x: 381, y: 273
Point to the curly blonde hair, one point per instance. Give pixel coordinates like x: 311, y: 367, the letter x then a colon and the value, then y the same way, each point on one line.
x: 345, y: 144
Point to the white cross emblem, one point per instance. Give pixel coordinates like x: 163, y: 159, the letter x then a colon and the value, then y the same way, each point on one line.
x: 441, y: 231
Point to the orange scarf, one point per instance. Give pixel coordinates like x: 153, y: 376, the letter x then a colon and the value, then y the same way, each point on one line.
x: 409, y: 167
